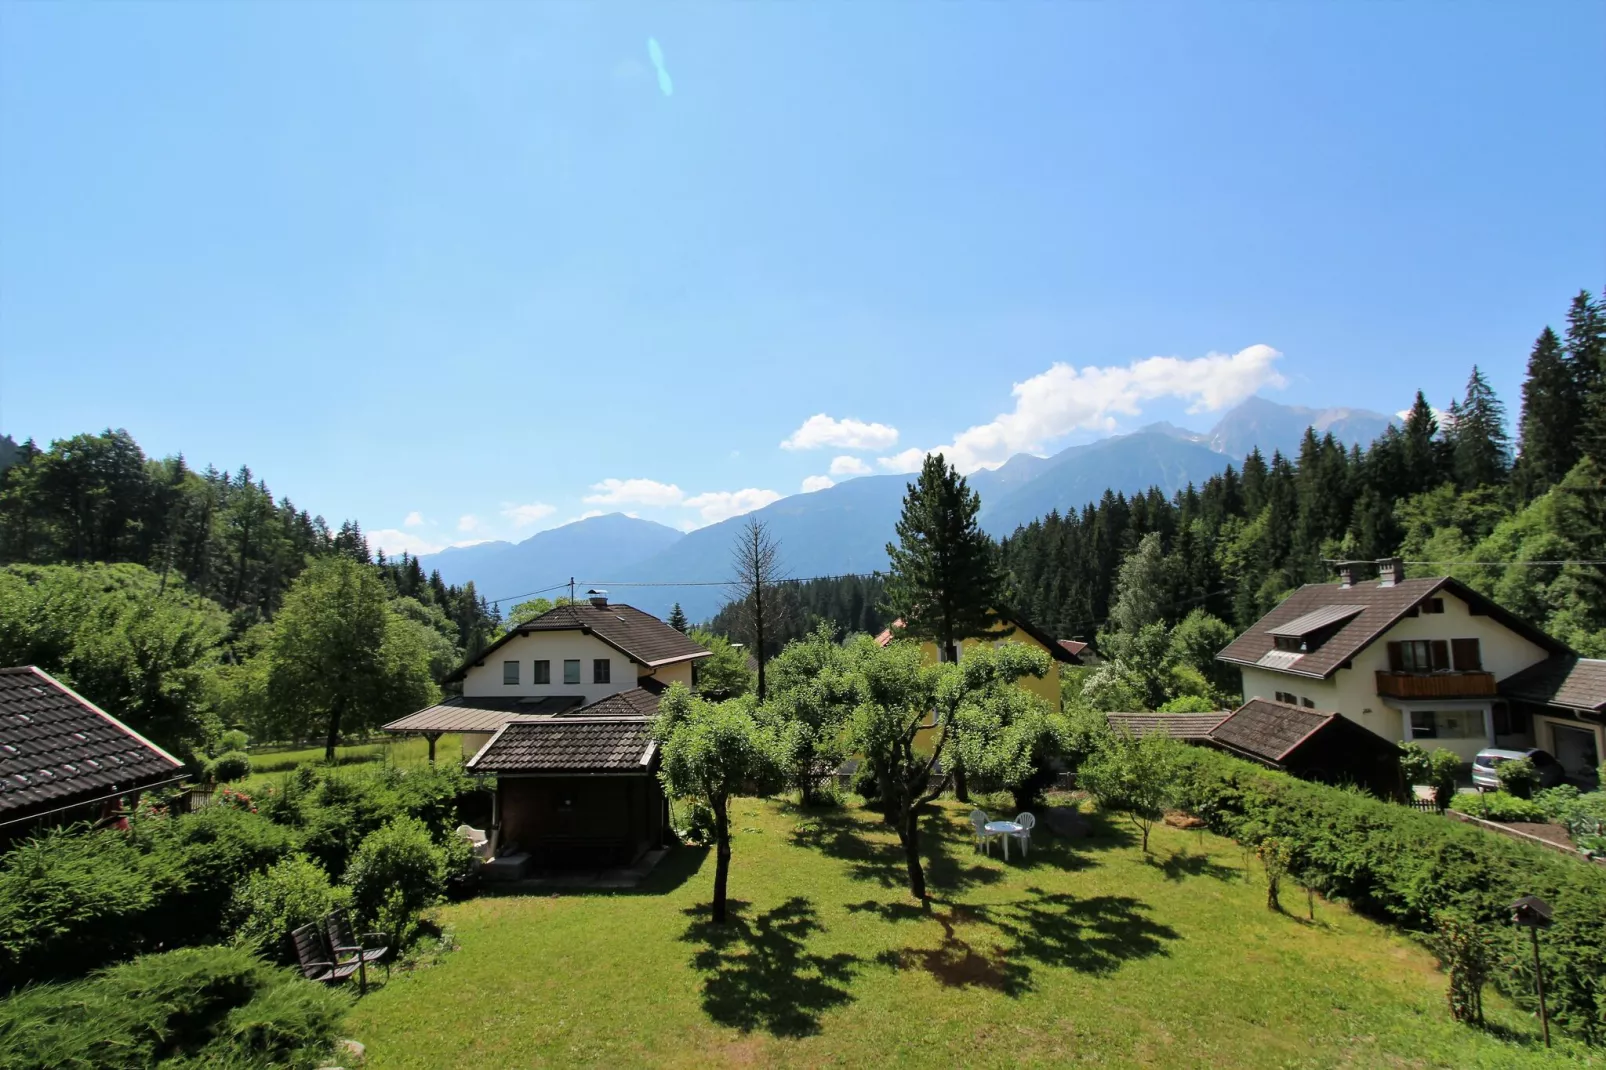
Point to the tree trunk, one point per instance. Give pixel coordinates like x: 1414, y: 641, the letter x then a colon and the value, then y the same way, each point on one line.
x: 334, y: 735
x: 758, y: 629
x: 911, y: 852
x: 722, y: 857
x: 961, y: 786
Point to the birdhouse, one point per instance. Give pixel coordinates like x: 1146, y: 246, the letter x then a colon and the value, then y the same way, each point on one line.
x: 1532, y: 912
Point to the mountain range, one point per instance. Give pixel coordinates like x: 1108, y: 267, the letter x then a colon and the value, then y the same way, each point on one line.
x: 845, y: 528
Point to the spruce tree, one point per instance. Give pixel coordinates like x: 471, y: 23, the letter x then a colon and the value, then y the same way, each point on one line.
x: 1551, y: 409
x: 1482, y: 448
x: 677, y: 619
x: 1586, y: 359
x: 1421, y: 453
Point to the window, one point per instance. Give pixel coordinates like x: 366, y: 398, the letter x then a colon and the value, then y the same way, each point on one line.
x: 1468, y: 657
x: 1447, y: 724
x: 1292, y: 643
x: 1307, y: 703
x: 510, y: 672
x: 543, y: 672
x: 600, y: 671
x: 571, y: 671
x: 1433, y: 605
x: 1419, y: 655
x: 1288, y: 698
x: 1509, y: 721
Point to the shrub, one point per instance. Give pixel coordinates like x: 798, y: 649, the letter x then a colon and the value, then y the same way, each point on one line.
x: 1517, y: 777
x: 700, y: 821
x: 72, y: 900
x: 234, y: 740
x: 205, y: 1006
x: 231, y: 765
x: 395, y: 873
x: 216, y: 849
x: 1189, y: 704
x: 1466, y: 951
x: 1444, y: 767
x: 285, y: 896
x: 1556, y: 801
x: 1407, y: 866
x: 1497, y: 806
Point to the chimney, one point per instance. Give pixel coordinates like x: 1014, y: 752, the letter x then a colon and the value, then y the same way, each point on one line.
x: 599, y: 599
x: 1390, y: 570
x: 1346, y: 573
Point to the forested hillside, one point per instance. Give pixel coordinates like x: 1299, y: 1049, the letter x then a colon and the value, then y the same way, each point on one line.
x: 158, y: 591
x: 851, y: 603
x: 1445, y: 493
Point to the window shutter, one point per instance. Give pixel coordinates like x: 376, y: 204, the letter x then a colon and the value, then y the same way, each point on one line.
x: 1468, y: 658
x: 1440, y: 654
x: 1396, y: 658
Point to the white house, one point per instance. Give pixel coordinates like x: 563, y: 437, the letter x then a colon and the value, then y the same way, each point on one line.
x: 1427, y: 660
x: 568, y: 659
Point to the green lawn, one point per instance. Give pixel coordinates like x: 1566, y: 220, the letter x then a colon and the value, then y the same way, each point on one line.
x: 267, y: 762
x: 1087, y: 954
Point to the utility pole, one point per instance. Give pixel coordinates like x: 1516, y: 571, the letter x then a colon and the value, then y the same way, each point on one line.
x: 571, y: 590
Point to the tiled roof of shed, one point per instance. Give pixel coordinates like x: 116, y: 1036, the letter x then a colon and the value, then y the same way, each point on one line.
x: 1380, y: 608
x: 578, y: 745
x: 1269, y: 730
x: 1578, y: 683
x: 637, y: 702
x: 639, y: 636
x: 1175, y: 725
x: 58, y: 748
x: 479, y: 714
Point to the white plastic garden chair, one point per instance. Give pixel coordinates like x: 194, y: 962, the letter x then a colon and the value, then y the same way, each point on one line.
x: 477, y: 838
x: 984, y: 839
x: 1026, y: 822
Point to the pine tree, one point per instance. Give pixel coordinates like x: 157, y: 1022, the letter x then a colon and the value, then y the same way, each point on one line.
x: 1254, y: 483
x: 1586, y: 359
x: 1482, y: 448
x: 677, y: 619
x: 1421, y: 453
x: 1551, y: 409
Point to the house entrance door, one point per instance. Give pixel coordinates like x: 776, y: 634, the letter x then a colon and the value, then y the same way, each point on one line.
x: 1575, y: 750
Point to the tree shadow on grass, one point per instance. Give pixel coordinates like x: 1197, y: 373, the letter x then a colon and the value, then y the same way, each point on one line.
x: 1184, y: 864
x: 999, y: 946
x: 760, y: 975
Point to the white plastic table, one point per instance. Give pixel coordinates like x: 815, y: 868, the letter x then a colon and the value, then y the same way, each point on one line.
x: 1004, y: 830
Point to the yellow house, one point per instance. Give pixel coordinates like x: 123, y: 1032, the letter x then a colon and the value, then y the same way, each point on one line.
x: 1062, y: 651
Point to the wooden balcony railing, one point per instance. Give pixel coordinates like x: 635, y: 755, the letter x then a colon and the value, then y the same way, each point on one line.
x: 1426, y: 685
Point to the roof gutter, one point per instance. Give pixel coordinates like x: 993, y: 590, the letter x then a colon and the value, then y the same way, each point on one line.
x: 91, y: 802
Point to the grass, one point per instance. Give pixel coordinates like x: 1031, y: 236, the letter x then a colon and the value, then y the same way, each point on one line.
x: 398, y: 750
x: 1086, y: 953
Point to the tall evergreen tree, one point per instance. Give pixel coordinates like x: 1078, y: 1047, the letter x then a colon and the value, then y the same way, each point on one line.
x: 1586, y: 359
x: 677, y: 619
x: 1482, y: 448
x: 1421, y: 455
x: 1551, y: 409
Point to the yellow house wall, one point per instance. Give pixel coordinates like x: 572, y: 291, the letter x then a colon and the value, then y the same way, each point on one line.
x: 1046, y: 687
x: 677, y: 673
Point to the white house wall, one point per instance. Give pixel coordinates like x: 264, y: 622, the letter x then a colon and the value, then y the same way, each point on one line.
x: 485, y: 681
x: 1353, y: 691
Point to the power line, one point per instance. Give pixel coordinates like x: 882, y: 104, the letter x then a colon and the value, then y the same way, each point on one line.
x: 669, y: 583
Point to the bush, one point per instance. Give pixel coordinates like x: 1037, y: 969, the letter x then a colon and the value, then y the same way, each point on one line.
x: 234, y: 740
x: 395, y: 873
x: 72, y: 900
x: 1556, y: 801
x: 285, y: 896
x: 204, y: 1006
x: 699, y: 819
x: 216, y: 849
x: 1517, y: 777
x: 1189, y: 704
x: 1497, y: 806
x: 232, y: 765
x: 1407, y: 866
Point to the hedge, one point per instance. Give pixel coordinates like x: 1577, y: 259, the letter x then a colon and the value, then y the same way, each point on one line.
x: 1404, y: 865
x: 195, y: 1007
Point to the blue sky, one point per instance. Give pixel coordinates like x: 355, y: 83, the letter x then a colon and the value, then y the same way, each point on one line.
x: 451, y: 270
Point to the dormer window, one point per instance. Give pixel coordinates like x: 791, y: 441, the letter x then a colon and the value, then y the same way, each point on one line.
x: 1291, y: 643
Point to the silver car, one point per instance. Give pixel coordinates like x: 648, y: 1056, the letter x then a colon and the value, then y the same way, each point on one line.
x: 1484, y: 766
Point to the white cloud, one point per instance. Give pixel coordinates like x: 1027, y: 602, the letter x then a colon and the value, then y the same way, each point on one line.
x: 822, y: 430
x: 525, y: 515
x: 848, y: 466
x: 1066, y: 399
x: 639, y: 491
x: 395, y: 541
x: 467, y: 522
x: 717, y: 505
x: 414, y: 519
x: 814, y: 483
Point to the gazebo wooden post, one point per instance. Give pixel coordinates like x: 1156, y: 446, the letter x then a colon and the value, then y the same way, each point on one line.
x: 432, y: 737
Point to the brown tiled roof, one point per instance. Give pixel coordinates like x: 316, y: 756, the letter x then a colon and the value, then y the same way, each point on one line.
x: 1578, y: 683
x: 641, y: 637
x: 1269, y: 730
x: 1066, y: 650
x: 57, y: 748
x: 479, y: 714
x: 1380, y: 608
x: 637, y: 702
x: 568, y: 745
x: 1175, y: 725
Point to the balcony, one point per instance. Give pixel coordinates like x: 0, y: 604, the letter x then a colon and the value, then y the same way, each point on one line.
x: 1432, y: 685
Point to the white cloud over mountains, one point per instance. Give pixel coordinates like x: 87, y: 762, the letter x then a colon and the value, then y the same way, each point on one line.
x: 849, y: 466
x: 712, y: 506
x: 822, y: 430
x: 525, y: 515
x: 814, y: 483
x: 1065, y: 399
x: 634, y: 491
x: 718, y: 505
